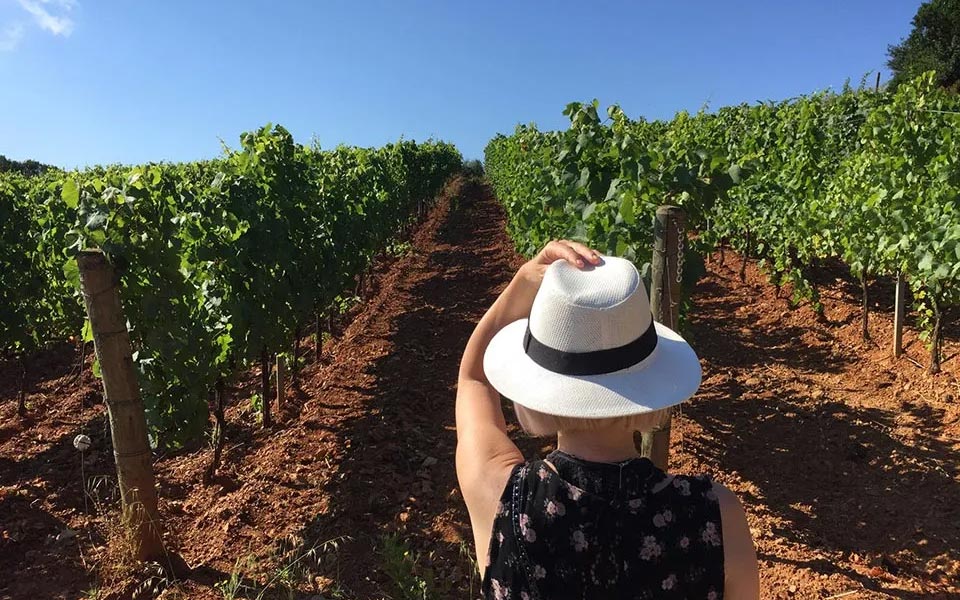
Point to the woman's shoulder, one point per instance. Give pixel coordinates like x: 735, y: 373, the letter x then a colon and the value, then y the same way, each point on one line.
x: 699, y: 489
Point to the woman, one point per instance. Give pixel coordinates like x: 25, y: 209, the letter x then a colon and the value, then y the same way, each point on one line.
x: 572, y: 343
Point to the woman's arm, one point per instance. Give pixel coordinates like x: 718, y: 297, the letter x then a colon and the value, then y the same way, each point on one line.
x: 739, y: 555
x: 485, y: 455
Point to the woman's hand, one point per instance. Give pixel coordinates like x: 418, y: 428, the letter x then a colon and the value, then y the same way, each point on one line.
x: 515, y: 302
x: 574, y: 253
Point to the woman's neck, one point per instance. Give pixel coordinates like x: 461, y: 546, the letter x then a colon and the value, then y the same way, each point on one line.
x: 606, y: 445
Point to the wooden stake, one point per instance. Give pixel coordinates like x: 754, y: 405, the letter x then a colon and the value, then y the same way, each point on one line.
x: 898, y: 315
x: 936, y: 338
x: 221, y: 423
x: 318, y: 334
x: 265, y: 387
x: 128, y: 423
x: 743, y: 259
x: 295, y: 365
x: 22, y: 394
x: 669, y: 237
x: 281, y: 381
x: 865, y: 314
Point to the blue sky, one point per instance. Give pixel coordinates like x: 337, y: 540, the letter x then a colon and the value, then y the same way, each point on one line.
x: 101, y: 81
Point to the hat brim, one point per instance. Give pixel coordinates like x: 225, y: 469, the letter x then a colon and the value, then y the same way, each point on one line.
x: 670, y: 375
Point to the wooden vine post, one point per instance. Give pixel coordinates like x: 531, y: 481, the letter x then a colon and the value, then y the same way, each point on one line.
x: 318, y: 337
x: 128, y: 423
x: 281, y: 371
x: 669, y: 237
x: 898, y: 315
x: 265, y: 371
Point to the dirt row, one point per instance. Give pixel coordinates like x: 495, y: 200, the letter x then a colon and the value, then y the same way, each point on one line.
x: 845, y: 459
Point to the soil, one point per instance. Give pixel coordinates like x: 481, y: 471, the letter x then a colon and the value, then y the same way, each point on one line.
x: 845, y: 458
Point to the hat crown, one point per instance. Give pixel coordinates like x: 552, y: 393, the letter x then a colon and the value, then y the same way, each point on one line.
x: 585, y: 310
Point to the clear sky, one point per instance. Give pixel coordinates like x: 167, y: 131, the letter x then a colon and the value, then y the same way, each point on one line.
x: 100, y: 81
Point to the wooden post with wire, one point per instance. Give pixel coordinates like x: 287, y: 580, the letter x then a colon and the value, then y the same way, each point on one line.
x: 669, y: 237
x: 128, y: 423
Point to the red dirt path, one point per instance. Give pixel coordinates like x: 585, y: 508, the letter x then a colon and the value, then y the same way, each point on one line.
x: 845, y: 459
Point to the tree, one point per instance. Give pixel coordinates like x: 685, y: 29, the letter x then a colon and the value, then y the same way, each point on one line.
x: 27, y: 168
x: 933, y: 45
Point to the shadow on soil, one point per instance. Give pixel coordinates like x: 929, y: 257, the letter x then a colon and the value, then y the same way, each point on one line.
x: 833, y: 473
x: 399, y: 477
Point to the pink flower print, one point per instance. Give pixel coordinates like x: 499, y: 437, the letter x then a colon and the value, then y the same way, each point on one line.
x: 635, y: 504
x: 710, y: 535
x: 710, y: 494
x: 501, y: 509
x: 524, y: 596
x: 539, y: 572
x: 575, y: 492
x: 651, y: 549
x: 683, y: 485
x: 542, y: 472
x: 528, y: 533
x: 500, y: 591
x: 661, y: 519
x: 556, y: 508
x: 669, y: 582
x: 579, y: 541
x: 684, y: 542
x: 500, y: 537
x: 712, y: 595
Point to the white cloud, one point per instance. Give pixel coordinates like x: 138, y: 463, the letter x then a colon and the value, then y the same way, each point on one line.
x: 10, y: 37
x: 57, y: 24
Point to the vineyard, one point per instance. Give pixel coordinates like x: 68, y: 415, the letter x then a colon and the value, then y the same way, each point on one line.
x: 223, y: 263
x: 361, y: 273
x: 872, y: 178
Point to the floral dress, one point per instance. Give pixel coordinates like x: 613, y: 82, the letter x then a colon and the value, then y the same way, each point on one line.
x: 602, y: 530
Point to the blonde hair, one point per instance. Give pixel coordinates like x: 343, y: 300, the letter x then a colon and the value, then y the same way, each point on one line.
x: 540, y: 424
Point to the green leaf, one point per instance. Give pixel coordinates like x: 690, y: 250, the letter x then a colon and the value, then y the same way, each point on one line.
x: 71, y: 271
x: 735, y: 173
x: 70, y: 193
x: 626, y: 209
x: 612, y: 190
x: 584, y: 177
x: 96, y: 221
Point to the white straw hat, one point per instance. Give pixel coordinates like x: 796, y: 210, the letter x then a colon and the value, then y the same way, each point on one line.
x: 591, y: 349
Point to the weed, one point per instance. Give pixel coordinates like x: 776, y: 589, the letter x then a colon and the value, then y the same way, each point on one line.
x: 343, y: 304
x: 296, y: 566
x: 117, y: 562
x: 154, y: 583
x: 230, y: 588
x: 474, y: 573
x: 256, y: 406
x: 398, y: 249
x: 92, y: 594
x: 401, y: 565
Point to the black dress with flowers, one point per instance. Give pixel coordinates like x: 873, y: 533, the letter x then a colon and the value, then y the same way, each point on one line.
x: 600, y: 530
